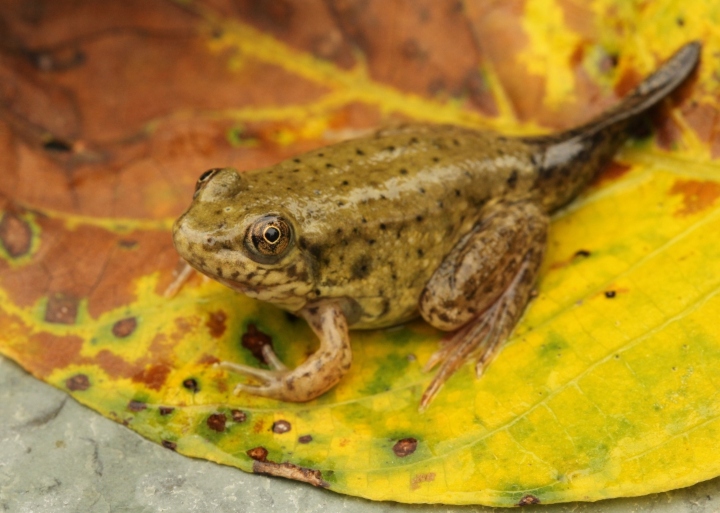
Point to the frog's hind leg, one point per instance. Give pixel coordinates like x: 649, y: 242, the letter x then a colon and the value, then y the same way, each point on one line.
x: 482, y: 287
x: 316, y: 375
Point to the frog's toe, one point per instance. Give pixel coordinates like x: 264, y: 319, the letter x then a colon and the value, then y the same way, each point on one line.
x: 274, y: 383
x: 272, y: 359
x: 267, y: 390
x: 482, y: 336
x: 296, y: 385
x: 246, y: 370
x: 447, y: 345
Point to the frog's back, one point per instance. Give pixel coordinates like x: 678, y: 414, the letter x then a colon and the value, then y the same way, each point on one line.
x: 378, y: 214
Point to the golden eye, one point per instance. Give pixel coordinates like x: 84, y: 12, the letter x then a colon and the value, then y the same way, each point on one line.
x: 269, y: 236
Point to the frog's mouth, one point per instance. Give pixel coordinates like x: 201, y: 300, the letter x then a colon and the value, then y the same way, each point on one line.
x: 237, y: 286
x: 283, y: 299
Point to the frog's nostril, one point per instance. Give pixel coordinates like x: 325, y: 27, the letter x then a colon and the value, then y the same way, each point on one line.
x: 223, y: 184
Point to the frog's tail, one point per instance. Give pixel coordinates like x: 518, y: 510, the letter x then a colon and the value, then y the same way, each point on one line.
x: 567, y: 161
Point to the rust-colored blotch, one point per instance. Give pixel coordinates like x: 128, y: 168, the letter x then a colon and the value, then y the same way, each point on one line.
x: 169, y: 445
x: 258, y: 453
x: 254, y: 340
x: 61, y: 309
x: 697, y: 195
x: 281, y: 426
x: 77, y: 383
x: 528, y: 500
x: 405, y: 447
x: 136, y: 406
x: 217, y: 421
x: 15, y: 235
x: 216, y: 323
x: 124, y: 327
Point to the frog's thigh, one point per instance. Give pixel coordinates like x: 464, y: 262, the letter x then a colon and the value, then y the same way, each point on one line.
x: 481, y: 267
x: 483, y: 286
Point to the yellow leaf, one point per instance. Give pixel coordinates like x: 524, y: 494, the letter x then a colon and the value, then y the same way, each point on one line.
x: 607, y: 388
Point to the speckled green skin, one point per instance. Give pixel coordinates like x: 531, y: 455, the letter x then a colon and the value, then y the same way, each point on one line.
x: 374, y: 218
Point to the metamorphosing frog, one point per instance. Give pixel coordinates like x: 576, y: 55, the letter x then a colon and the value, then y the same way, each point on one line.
x: 442, y: 221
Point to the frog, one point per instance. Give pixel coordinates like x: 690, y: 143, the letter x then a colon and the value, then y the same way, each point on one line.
x: 443, y: 222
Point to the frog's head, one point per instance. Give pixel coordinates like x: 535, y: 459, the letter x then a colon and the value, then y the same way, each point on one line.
x: 244, y: 239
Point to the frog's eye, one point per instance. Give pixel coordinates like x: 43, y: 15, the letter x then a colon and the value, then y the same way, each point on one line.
x: 269, y: 236
x: 207, y: 175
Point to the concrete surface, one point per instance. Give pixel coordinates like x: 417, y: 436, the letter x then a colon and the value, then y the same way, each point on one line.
x: 57, y: 456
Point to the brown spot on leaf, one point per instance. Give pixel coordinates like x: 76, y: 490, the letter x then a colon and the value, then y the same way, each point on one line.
x: 115, y: 365
x: 166, y: 410
x: 124, y: 327
x: 253, y: 340
x: 208, y: 359
x: 411, y: 49
x: 50, y: 352
x: 613, y: 172
x: 305, y: 439
x: 169, y: 445
x: 258, y: 453
x: 153, y: 376
x: 405, y: 447
x: 216, y: 323
x: 696, y: 195
x: 581, y: 253
x: 281, y: 426
x: 528, y: 500
x: 421, y: 478
x: 136, y: 406
x: 15, y: 235
x: 698, y: 116
x: 628, y: 80
x: 610, y: 294
x: 238, y: 416
x: 78, y: 382
x: 127, y: 243
x: 61, y: 309
x: 191, y: 384
x: 290, y: 471
x: 217, y: 421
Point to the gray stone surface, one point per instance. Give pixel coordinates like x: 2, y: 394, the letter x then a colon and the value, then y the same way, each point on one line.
x: 58, y: 456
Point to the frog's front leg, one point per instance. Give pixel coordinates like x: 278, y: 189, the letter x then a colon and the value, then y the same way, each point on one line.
x: 483, y: 285
x: 316, y: 375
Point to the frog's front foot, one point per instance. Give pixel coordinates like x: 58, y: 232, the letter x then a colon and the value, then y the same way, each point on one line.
x: 316, y: 375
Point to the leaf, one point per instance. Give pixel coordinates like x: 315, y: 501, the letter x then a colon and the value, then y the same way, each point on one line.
x: 111, y: 111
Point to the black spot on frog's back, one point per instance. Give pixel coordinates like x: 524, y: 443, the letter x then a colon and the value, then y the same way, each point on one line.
x: 361, y: 267
x: 316, y: 250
